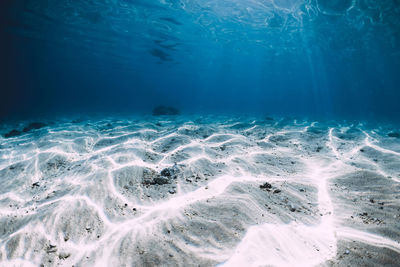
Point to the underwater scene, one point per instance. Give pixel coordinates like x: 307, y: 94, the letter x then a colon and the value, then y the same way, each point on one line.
x: 199, y: 133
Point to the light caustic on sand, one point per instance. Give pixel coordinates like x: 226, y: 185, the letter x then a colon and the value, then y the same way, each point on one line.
x: 216, y: 214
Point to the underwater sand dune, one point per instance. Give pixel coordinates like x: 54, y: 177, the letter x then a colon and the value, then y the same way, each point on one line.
x: 200, y: 191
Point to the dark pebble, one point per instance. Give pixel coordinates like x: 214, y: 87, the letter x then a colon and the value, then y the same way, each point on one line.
x: 161, y: 180
x: 266, y: 186
x: 63, y: 256
x: 167, y: 172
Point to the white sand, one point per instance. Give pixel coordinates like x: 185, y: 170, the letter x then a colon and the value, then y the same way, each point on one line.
x: 90, y: 193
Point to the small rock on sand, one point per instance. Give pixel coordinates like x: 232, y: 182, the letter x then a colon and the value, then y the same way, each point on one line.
x: 51, y: 249
x: 165, y: 110
x: 266, y: 186
x: 172, y: 191
x: 34, y: 126
x: 167, y: 172
x: 161, y: 180
x: 63, y: 255
x: 12, y: 133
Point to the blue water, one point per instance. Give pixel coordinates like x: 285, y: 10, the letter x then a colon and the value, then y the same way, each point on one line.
x: 286, y: 151
x: 324, y: 58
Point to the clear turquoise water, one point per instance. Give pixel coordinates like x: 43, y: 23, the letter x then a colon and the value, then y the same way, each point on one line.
x: 310, y: 57
x: 309, y: 92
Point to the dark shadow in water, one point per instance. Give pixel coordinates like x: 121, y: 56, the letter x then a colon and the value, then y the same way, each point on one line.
x: 173, y: 21
x: 160, y: 54
x: 166, y: 46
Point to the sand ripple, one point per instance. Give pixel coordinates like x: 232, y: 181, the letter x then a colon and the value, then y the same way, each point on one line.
x: 185, y: 191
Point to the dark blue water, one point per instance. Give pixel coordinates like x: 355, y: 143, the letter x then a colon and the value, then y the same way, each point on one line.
x: 325, y: 58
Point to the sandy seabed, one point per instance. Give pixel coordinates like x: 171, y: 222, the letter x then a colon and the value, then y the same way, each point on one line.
x: 200, y: 191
